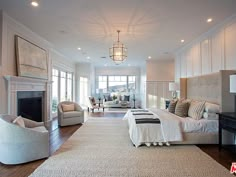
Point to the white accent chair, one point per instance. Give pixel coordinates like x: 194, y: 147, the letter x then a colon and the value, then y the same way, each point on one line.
x: 93, y: 105
x: 70, y: 117
x: 20, y: 145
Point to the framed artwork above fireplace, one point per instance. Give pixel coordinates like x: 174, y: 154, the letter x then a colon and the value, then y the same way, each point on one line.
x: 31, y: 59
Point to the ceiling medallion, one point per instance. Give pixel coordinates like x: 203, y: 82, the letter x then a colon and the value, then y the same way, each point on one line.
x: 118, y: 52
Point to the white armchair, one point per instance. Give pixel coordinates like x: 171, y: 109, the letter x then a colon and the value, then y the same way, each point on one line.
x: 93, y: 105
x: 70, y: 116
x: 20, y: 145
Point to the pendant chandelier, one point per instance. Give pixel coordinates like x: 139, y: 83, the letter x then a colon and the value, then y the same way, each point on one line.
x: 118, y: 52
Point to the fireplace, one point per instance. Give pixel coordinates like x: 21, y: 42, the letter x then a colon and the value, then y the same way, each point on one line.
x: 30, y: 105
x: 29, y: 98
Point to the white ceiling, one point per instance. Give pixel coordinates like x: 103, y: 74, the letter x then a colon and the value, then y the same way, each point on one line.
x: 148, y: 27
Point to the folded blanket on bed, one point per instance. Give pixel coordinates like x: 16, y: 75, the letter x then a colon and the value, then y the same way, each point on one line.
x: 147, y: 121
x: 145, y: 116
x: 171, y: 125
x: 142, y: 113
x: 139, y: 110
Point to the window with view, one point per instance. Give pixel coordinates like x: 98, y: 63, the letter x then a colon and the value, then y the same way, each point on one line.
x: 62, y: 87
x: 116, y: 83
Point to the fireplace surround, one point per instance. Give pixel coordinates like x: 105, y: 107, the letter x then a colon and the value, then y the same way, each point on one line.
x: 28, y: 86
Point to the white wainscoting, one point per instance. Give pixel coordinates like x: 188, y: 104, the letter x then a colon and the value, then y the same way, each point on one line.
x: 156, y: 93
x: 211, y: 52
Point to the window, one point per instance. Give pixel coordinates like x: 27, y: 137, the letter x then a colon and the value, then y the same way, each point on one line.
x: 62, y: 87
x: 55, y: 98
x: 116, y: 83
x: 69, y: 86
x: 131, y: 82
x: 102, y: 82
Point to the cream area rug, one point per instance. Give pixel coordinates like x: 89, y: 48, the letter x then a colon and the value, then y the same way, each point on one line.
x: 102, y: 148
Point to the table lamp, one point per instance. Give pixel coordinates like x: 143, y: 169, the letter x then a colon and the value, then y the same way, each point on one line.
x: 173, y: 87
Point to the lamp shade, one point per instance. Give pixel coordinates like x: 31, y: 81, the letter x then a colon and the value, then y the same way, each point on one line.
x: 232, y: 82
x: 173, y: 86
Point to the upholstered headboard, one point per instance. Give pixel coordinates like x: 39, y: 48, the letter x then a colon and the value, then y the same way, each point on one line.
x: 213, y: 88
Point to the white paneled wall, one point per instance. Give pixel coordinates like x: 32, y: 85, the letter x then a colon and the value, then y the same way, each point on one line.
x: 211, y: 52
x: 156, y: 93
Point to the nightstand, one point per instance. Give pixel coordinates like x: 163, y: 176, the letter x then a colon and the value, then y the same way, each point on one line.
x: 227, y: 121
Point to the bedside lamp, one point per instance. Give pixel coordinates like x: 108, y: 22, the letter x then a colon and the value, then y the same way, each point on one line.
x: 173, y: 87
x: 232, y: 87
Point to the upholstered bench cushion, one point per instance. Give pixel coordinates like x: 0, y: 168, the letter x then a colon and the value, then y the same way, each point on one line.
x: 71, y: 114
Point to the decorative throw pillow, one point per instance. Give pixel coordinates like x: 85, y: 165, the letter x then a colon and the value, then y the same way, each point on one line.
x: 212, y: 108
x: 172, y: 106
x: 68, y: 107
x: 210, y: 116
x: 19, y: 121
x: 126, y: 98
x: 181, y: 109
x: 196, y: 109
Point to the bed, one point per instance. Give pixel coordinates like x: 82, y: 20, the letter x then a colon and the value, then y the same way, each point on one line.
x: 183, y: 130
x: 212, y: 88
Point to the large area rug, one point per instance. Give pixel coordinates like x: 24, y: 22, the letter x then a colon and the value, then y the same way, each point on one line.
x: 101, y: 147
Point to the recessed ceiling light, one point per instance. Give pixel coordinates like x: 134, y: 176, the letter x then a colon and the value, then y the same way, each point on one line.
x: 79, y: 48
x: 34, y: 3
x: 88, y: 57
x: 149, y: 57
x: 182, y: 41
x: 209, y: 20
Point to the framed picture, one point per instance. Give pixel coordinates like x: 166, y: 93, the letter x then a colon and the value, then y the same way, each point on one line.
x: 31, y: 59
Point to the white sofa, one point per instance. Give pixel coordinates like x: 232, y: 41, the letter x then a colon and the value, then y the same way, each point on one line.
x: 118, y: 102
x: 20, y: 145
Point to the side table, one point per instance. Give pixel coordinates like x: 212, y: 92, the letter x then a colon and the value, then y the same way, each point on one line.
x: 227, y: 121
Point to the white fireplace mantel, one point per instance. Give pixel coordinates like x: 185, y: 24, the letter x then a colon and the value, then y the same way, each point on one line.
x: 16, y: 84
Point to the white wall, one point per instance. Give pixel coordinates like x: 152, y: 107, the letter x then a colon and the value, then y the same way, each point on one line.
x: 160, y: 70
x: 209, y: 53
x: 84, y: 70
x: 159, y: 74
x: 143, y: 79
x: 10, y: 28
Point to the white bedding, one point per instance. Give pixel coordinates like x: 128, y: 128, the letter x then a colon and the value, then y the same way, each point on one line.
x: 190, y: 125
x: 170, y: 129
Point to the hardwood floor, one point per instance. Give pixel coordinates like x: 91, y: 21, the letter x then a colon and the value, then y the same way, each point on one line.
x: 60, y: 135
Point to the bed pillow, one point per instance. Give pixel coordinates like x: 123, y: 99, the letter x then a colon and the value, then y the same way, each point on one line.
x: 19, y: 121
x: 181, y: 108
x: 172, y: 105
x: 212, y: 108
x: 196, y: 109
x: 210, y: 116
x: 68, y: 107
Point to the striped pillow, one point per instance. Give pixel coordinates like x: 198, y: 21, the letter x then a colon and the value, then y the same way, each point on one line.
x: 172, y: 106
x: 181, y: 109
x: 196, y: 109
